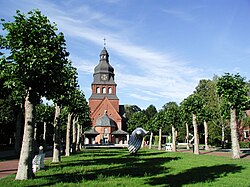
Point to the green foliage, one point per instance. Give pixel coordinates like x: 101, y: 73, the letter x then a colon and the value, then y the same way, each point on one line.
x: 138, y: 119
x: 244, y: 144
x: 193, y: 104
x: 156, y: 140
x: 38, y: 54
x: 172, y: 114
x: 7, y: 120
x: 234, y: 90
x: 150, y: 111
x: 79, y: 107
x: 159, y: 121
x: 44, y: 113
x: 130, y: 109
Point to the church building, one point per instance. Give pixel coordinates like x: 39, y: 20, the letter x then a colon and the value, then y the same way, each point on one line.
x: 104, y: 106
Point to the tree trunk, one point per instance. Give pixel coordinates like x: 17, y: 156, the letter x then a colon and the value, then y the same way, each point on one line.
x: 67, y: 150
x: 143, y: 141
x: 196, y: 136
x: 223, y: 136
x: 150, y: 140
x: 18, y: 140
x: 25, y: 161
x: 74, y: 133
x: 44, y: 134
x: 57, y: 141
x: 35, y: 132
x: 78, y: 138
x: 159, y: 144
x: 206, y: 135
x: 173, y: 139
x: 187, y: 135
x: 234, y: 136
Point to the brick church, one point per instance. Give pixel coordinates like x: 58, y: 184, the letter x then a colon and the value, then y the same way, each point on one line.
x: 106, y: 113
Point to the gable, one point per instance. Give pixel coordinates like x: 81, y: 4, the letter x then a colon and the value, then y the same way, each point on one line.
x: 105, y: 105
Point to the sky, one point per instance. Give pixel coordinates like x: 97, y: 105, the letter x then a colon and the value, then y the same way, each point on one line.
x: 160, y: 49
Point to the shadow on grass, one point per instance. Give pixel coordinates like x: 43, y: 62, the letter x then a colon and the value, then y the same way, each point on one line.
x: 126, y: 165
x: 196, y: 175
x: 98, y: 158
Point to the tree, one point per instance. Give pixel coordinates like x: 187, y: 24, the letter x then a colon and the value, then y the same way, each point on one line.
x: 38, y: 56
x: 44, y: 116
x: 63, y: 98
x: 193, y: 105
x: 81, y: 117
x: 12, y: 89
x: 138, y: 119
x: 207, y: 90
x: 234, y: 90
x: 150, y: 111
x: 173, y: 120
x: 186, y: 119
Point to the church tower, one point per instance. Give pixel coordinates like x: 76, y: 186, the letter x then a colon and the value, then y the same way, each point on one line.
x: 104, y: 104
x: 103, y: 84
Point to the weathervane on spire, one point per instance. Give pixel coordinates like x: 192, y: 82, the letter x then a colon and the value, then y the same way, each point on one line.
x: 104, y: 40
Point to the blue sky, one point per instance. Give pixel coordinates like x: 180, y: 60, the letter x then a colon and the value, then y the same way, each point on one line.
x: 159, y: 49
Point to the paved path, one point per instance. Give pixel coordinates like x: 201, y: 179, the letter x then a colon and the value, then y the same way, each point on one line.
x: 10, y: 166
x: 243, y: 155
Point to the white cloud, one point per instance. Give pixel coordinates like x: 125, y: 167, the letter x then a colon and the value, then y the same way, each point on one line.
x: 156, y: 74
x: 141, y: 97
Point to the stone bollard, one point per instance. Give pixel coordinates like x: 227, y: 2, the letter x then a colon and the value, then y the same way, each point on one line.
x: 38, y: 160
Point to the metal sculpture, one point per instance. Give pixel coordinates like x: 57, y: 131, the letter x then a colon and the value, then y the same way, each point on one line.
x: 135, y: 140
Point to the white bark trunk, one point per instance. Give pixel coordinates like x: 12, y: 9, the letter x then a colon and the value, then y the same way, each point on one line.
x: 142, y: 142
x: 196, y: 136
x: 187, y: 135
x: 223, y: 136
x: 57, y: 141
x: 25, y: 161
x: 173, y: 139
x: 206, y: 135
x: 234, y: 135
x: 159, y: 144
x: 78, y: 139
x: 67, y: 150
x: 44, y: 132
x: 74, y: 134
x: 150, y: 140
x: 35, y: 131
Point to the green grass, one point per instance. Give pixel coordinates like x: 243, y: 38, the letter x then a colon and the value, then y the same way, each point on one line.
x: 115, y: 167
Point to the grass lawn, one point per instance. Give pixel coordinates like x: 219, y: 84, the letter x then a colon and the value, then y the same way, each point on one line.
x: 115, y: 167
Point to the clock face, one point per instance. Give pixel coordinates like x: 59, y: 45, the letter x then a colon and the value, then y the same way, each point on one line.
x: 104, y: 77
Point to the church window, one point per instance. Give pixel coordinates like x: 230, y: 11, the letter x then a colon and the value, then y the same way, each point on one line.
x: 110, y: 90
x: 98, y: 90
x: 104, y: 90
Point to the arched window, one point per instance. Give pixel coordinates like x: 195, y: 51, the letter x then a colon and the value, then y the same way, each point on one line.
x: 98, y: 90
x: 110, y: 90
x: 104, y: 90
